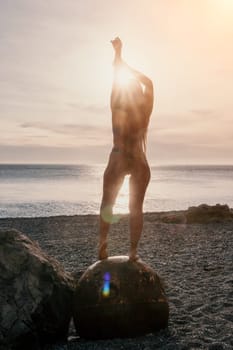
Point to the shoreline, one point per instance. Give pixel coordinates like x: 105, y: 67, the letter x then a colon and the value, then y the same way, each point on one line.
x: 156, y: 213
x: 168, y: 216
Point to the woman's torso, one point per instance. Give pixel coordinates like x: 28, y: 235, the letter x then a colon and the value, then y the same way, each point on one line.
x: 128, y: 131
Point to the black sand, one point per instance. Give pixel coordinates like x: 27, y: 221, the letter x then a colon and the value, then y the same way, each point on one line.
x: 195, y: 262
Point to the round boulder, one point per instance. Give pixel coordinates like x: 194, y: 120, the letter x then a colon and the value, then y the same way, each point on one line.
x: 118, y: 297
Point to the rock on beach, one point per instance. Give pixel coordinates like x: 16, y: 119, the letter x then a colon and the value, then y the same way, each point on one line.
x: 35, y: 294
x: 118, y: 297
x: 204, y: 214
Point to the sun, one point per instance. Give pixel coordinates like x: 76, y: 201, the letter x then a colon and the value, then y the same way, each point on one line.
x: 123, y: 76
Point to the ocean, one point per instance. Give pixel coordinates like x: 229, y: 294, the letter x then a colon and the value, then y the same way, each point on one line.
x: 48, y: 190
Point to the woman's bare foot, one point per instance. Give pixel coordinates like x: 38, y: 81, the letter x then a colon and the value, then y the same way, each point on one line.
x: 133, y: 255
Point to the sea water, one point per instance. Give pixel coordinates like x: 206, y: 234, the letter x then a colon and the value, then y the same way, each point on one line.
x: 47, y: 190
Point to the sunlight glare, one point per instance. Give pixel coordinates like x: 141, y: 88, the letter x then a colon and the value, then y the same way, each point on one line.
x: 222, y: 13
x: 224, y: 4
x: 123, y: 76
x: 123, y: 198
x: 227, y: 2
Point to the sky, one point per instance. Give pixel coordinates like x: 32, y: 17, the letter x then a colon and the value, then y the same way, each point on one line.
x: 56, y: 74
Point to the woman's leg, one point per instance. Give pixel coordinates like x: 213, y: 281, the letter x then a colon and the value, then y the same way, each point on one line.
x: 113, y: 179
x: 138, y: 183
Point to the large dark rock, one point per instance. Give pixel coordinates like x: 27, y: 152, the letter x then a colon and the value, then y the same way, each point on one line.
x: 35, y: 294
x: 206, y: 214
x: 119, y: 298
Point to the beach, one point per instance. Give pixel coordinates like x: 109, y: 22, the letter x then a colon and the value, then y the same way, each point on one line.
x: 193, y: 260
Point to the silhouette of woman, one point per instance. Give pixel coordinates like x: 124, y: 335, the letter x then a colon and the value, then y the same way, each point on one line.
x: 131, y: 106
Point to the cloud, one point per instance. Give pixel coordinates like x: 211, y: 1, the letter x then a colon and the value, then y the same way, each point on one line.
x: 183, y: 153
x: 202, y: 111
x: 26, y: 125
x: 95, y: 109
x: 69, y: 134
x: 158, y: 153
x: 67, y: 128
x: 45, y: 154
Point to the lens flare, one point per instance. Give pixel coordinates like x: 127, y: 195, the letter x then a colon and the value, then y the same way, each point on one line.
x: 106, y: 285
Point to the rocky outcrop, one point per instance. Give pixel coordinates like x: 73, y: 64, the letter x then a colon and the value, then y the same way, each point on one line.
x: 117, y: 297
x: 202, y: 214
x: 206, y: 214
x: 35, y: 294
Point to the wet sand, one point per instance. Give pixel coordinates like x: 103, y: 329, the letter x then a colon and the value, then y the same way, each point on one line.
x: 195, y: 262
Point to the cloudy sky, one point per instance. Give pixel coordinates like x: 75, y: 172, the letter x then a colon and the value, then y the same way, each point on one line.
x: 56, y: 73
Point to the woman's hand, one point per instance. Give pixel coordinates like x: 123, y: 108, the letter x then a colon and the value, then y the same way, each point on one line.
x: 117, y: 44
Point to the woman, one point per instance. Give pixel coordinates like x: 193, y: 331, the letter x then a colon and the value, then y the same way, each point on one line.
x: 131, y: 105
